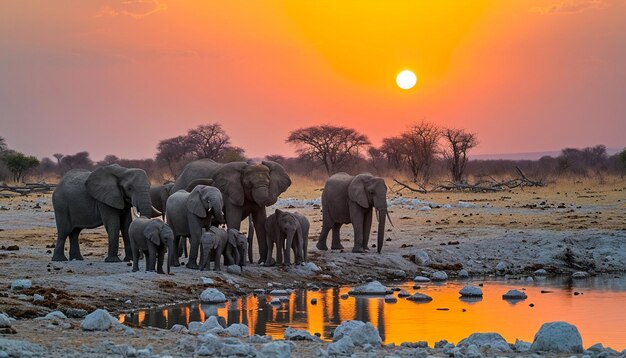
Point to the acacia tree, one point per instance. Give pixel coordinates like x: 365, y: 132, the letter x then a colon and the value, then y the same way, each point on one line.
x: 172, y: 152
x: 457, y: 142
x: 209, y: 141
x: 393, y: 149
x: 19, y: 164
x: 79, y: 160
x: 333, y: 147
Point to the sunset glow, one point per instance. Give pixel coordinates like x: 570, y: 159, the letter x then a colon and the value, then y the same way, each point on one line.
x: 507, y: 70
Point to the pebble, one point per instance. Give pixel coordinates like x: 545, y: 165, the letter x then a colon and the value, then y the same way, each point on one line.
x: 419, y: 297
x: 471, y: 291
x: 439, y: 276
x: 514, y: 295
x: 21, y: 284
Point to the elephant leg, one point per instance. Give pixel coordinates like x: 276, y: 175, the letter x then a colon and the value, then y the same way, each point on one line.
x: 280, y: 249
x: 250, y: 239
x: 336, y: 243
x: 259, y: 217
x: 146, y: 254
x: 152, y: 257
x: 357, y: 218
x: 321, y: 242
x: 112, y: 225
x: 195, y: 232
x: 216, y: 260
x: 203, y: 257
x: 270, y: 238
x: 74, y: 246
x: 173, y: 256
x: 160, y: 260
x: 135, y: 258
x: 125, y: 220
x: 367, y: 227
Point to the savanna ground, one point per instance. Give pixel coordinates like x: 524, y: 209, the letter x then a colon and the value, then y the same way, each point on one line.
x: 566, y: 226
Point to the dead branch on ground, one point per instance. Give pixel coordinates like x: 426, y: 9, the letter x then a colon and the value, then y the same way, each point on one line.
x: 28, y: 188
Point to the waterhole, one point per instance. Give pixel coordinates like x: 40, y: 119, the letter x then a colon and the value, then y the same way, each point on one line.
x: 594, y: 305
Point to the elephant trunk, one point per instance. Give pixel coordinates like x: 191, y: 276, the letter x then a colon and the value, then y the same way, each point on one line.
x: 261, y: 196
x: 287, y: 248
x: 382, y: 216
x: 143, y: 203
x: 219, y: 215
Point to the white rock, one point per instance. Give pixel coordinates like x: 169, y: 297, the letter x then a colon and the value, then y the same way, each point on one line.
x: 361, y: 333
x: 233, y: 269
x: 38, y: 297
x: 207, y: 281
x: 233, y: 347
x: 421, y: 257
x: 424, y: 208
x: 128, y: 302
x: 420, y: 297
x: 310, y: 266
x: 15, y: 348
x: 580, y: 274
x: 398, y: 274
x: 560, y: 337
x: 439, y: 276
x: 471, y: 291
x: 521, y: 346
x: 369, y: 288
x: 403, y: 294
x: 276, y: 349
x: 465, y: 205
x: 530, y: 279
x: 5, y: 322
x: 279, y: 293
x: 212, y: 295
x: 237, y: 330
x: 342, y: 347
x: 212, y: 325
x: 98, y: 320
x: 501, y: 267
x: 292, y: 334
x: 486, y: 340
x: 421, y: 279
x: 195, y: 326
x: 179, y: 328
x: 463, y: 274
x: 55, y: 315
x: 540, y: 272
x: 21, y: 284
x: 514, y: 295
x: 256, y: 339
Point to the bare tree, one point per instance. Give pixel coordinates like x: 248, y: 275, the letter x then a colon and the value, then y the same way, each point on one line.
x: 420, y: 146
x: 457, y: 142
x: 393, y: 149
x: 209, y: 141
x: 333, y: 147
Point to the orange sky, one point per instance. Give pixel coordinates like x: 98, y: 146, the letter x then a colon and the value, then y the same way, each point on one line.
x: 115, y: 77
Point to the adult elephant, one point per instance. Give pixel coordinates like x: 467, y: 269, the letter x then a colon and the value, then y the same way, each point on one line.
x: 247, y: 189
x: 351, y: 199
x: 86, y: 200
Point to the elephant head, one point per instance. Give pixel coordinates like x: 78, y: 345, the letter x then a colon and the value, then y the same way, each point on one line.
x: 205, y: 199
x: 288, y: 225
x: 260, y: 183
x: 370, y: 191
x: 239, y: 244
x: 119, y: 187
x: 159, y: 233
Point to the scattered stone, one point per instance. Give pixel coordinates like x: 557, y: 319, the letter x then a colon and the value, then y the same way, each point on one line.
x: 580, y: 274
x: 344, y: 296
x: 279, y: 293
x: 421, y: 279
x: 560, y: 337
x: 420, y: 297
x: 502, y: 267
x: 237, y: 330
x: 234, y: 347
x: 98, y: 320
x: 370, y: 288
x: 391, y: 299
x: 21, y: 284
x: 233, y: 269
x: 521, y: 346
x: 360, y: 332
x: 212, y: 325
x: 259, y: 291
x: 256, y: 339
x: 212, y: 295
x: 439, y: 276
x: 530, y: 279
x: 207, y: 281
x: 15, y: 348
x: 55, y: 315
x: 486, y: 340
x: 421, y: 258
x: 37, y: 297
x: 342, y: 347
x: 403, y: 294
x: 194, y: 327
x: 179, y: 328
x: 276, y: 349
x: 292, y: 334
x: 275, y: 301
x: 471, y: 291
x: 419, y: 344
x: 463, y: 274
x: 514, y: 295
x: 540, y: 272
x: 75, y: 312
x: 5, y: 322
x: 399, y: 274
x: 283, y: 298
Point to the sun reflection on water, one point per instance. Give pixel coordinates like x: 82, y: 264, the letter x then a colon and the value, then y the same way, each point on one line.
x: 597, y: 313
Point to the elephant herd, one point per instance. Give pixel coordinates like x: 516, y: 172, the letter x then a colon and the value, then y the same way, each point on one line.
x: 205, y: 195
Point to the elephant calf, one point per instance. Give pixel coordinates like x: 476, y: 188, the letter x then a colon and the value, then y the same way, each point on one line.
x: 290, y: 227
x: 212, y: 245
x: 153, y: 237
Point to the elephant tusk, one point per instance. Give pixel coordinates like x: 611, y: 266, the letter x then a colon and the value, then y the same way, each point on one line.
x: 134, y: 212
x: 389, y: 218
x: 157, y: 212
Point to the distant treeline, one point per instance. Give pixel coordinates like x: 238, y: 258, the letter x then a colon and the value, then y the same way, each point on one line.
x: 423, y: 153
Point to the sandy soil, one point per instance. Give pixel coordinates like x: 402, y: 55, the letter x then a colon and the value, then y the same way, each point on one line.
x: 563, y: 227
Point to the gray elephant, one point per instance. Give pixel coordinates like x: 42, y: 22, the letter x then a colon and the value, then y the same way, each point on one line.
x: 350, y: 199
x: 159, y: 195
x: 247, y: 190
x: 212, y: 245
x: 153, y: 237
x: 86, y: 200
x: 188, y: 213
x: 289, y: 231
x: 237, y: 248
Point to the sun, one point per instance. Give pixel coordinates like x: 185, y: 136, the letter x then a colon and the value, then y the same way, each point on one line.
x: 406, y: 79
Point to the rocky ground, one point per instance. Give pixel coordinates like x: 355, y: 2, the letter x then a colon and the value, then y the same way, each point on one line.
x: 562, y: 228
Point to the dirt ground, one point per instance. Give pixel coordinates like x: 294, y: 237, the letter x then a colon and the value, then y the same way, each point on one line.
x: 564, y: 227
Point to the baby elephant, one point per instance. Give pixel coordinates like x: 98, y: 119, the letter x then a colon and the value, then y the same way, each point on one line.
x: 153, y: 237
x: 237, y: 248
x: 212, y: 245
x: 290, y: 227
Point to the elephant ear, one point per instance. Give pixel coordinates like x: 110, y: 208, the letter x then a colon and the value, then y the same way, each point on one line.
x: 356, y: 192
x: 228, y: 181
x: 279, y: 179
x: 152, y: 232
x: 102, y: 184
x: 232, y: 237
x: 195, y: 205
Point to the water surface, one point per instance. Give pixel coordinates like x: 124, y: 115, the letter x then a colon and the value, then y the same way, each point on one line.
x: 594, y: 305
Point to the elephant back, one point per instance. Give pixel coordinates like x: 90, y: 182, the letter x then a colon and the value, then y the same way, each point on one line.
x: 198, y: 169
